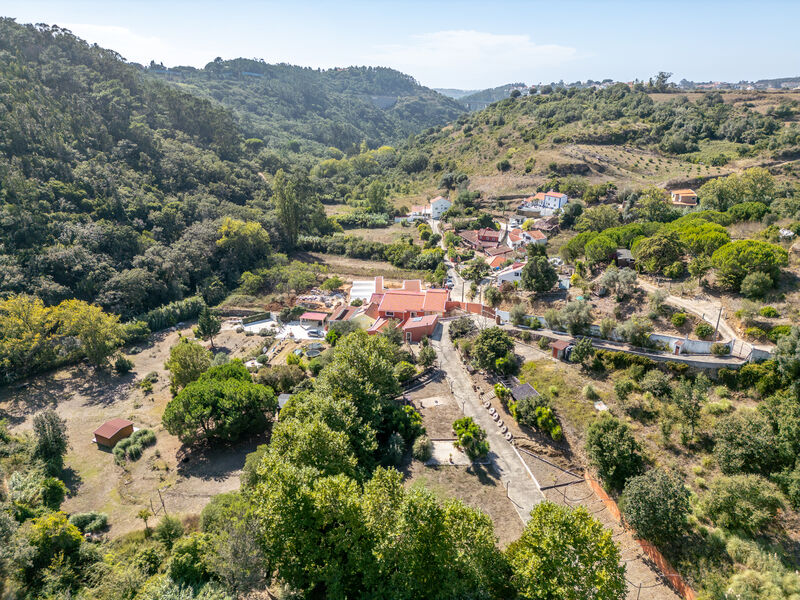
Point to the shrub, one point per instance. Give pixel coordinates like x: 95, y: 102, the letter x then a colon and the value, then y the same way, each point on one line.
x: 404, y: 371
x: 422, y: 449
x: 471, y: 438
x: 675, y: 270
x: 778, y: 331
x: 747, y: 503
x: 719, y: 349
x: 462, y: 327
x: 678, y: 319
x: 769, y: 311
x: 756, y: 285
x: 656, y: 505
x: 613, y: 451
x: 544, y: 343
x: 589, y: 392
x: 744, y: 442
x: 90, y: 522
x: 755, y: 333
x: 703, y: 330
x: 123, y: 365
x: 168, y: 530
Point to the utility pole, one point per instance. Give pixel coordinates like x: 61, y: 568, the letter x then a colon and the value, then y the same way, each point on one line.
x: 716, y: 329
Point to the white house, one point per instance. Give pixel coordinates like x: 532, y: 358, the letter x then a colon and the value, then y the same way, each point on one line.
x: 518, y: 238
x: 439, y: 206
x: 433, y: 210
x: 544, y: 203
x: 512, y: 273
x: 683, y: 198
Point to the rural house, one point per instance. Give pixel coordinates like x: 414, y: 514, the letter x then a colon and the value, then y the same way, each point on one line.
x: 684, y: 198
x: 543, y: 203
x: 518, y: 238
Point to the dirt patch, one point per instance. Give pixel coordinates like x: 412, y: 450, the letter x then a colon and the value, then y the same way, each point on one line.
x: 477, y: 486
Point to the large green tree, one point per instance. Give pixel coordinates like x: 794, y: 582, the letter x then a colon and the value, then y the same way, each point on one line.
x: 187, y: 361
x: 734, y: 261
x: 538, y: 275
x: 613, y: 451
x: 491, y: 344
x: 656, y: 505
x: 566, y: 554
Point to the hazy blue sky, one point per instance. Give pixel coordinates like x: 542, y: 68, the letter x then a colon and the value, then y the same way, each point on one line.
x: 460, y: 44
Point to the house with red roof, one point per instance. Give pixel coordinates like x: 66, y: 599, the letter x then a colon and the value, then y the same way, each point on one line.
x: 481, y: 239
x: 407, y: 306
x: 314, y: 318
x: 683, y: 198
x: 518, y: 238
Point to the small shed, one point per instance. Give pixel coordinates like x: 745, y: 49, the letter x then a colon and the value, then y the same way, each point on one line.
x: 110, y: 432
x: 316, y: 318
x: 624, y: 258
x: 558, y: 347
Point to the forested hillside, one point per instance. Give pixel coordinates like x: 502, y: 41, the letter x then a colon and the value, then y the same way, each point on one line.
x: 113, y: 187
x: 289, y: 105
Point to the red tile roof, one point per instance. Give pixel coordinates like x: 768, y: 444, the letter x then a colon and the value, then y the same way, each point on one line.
x: 488, y: 235
x: 110, y: 428
x: 400, y: 301
x: 497, y: 261
x: 416, y: 322
x: 537, y: 235
x: 435, y: 300
x: 344, y: 313
x: 560, y: 344
x: 313, y: 316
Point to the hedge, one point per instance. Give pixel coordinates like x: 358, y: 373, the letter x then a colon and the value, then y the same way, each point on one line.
x: 262, y: 316
x: 173, y: 313
x: 623, y: 360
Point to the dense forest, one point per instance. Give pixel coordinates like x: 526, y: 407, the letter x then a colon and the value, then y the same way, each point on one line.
x: 314, y: 109
x: 113, y: 187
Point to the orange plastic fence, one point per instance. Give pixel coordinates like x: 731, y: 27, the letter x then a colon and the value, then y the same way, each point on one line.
x: 674, y: 578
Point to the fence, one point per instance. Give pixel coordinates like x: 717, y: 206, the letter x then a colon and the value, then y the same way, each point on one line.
x: 473, y: 308
x: 666, y: 569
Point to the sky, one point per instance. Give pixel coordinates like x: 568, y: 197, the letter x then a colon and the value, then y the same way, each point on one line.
x: 449, y: 44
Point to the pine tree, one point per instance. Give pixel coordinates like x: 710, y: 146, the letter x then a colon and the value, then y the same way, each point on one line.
x: 208, y: 325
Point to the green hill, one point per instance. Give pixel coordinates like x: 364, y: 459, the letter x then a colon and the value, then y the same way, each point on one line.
x: 112, y: 184
x: 285, y: 104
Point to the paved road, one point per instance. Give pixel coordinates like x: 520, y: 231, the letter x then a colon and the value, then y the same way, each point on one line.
x: 523, y: 489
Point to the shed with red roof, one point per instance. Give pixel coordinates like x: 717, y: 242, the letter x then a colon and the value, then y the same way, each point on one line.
x: 110, y: 432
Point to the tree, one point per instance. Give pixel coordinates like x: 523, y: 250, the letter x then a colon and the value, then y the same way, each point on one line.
x: 787, y: 354
x: 168, y: 531
x: 636, y: 331
x: 216, y: 407
x: 518, y: 315
x: 145, y: 514
x: 565, y: 554
x: 613, y: 451
x: 690, y: 398
x: 100, y: 334
x: 653, y: 205
x: 404, y: 371
x: 493, y: 296
x: 576, y: 317
x: 734, y: 261
x: 208, y: 325
x: 491, y: 344
x: 582, y: 350
x: 475, y: 270
x: 619, y: 281
x: 51, y: 440
x: 538, y: 275
x: 187, y: 361
x: 600, y: 249
x: 332, y: 284
x: 597, y: 218
x: 427, y: 356
x: 744, y: 442
x: 471, y: 438
x: 376, y: 197
x: 656, y: 505
x: 289, y: 206
x: 243, y: 245
x: 742, y: 502
x: 655, y: 253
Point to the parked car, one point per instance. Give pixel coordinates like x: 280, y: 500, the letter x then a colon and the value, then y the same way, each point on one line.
x: 315, y: 333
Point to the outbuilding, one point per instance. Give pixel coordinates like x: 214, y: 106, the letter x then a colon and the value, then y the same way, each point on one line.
x: 314, y: 318
x: 558, y: 347
x: 415, y: 328
x: 110, y: 432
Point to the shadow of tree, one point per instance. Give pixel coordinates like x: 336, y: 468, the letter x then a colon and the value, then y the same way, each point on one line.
x: 217, y: 462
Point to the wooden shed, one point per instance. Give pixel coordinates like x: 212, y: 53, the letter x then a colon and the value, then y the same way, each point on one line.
x: 558, y: 347
x: 110, y: 432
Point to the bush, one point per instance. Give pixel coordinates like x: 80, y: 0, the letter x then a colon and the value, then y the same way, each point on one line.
x: 656, y: 505
x: 675, y: 270
x: 769, y: 311
x: 90, y: 522
x: 703, y: 330
x: 613, y: 451
x: 719, y: 349
x: 422, y: 449
x: 746, y: 503
x: 544, y: 343
x: 755, y: 333
x: 678, y: 319
x: 503, y: 165
x: 756, y: 285
x: 745, y: 442
x: 777, y: 332
x: 471, y: 438
x: 589, y: 392
x: 461, y: 328
x: 404, y: 371
x: 123, y: 365
x: 168, y: 530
